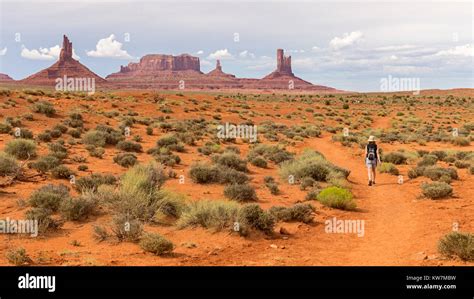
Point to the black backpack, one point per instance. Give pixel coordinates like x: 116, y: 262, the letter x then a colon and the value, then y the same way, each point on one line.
x: 371, y: 151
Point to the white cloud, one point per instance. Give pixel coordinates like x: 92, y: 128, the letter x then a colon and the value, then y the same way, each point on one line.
x: 110, y: 48
x: 205, y: 63
x: 246, y: 54
x: 348, y: 39
x: 44, y: 53
x: 200, y: 52
x: 465, y: 50
x: 396, y: 48
x: 315, y: 49
x: 220, y: 54
x: 3, y: 51
x: 296, y: 51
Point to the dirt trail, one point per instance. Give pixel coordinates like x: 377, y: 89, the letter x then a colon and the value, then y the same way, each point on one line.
x: 386, y: 208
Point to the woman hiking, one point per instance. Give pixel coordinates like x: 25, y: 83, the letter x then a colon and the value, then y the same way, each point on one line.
x: 372, y: 158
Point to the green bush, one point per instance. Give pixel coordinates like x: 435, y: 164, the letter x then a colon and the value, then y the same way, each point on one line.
x: 18, y: 257
x: 271, y: 184
x: 156, y: 244
x: 21, y: 148
x: 276, y: 154
x: 230, y: 160
x: 129, y: 146
x: 435, y: 173
x: 126, y: 228
x: 259, y: 161
x: 299, y: 212
x: 460, y: 141
x: 437, y: 190
x: 78, y: 208
x: 43, y: 216
x: 311, y: 164
x: 49, y: 197
x: 462, y: 164
x: 45, y: 108
x: 203, y: 173
x: 240, y: 192
x: 61, y: 172
x: 125, y: 159
x: 93, y: 181
x: 427, y: 160
x: 214, y: 215
x: 8, y: 165
x: 95, y: 138
x: 457, y: 244
x: 45, y: 163
x: 388, y: 168
x: 252, y: 216
x: 395, y: 158
x: 336, y: 197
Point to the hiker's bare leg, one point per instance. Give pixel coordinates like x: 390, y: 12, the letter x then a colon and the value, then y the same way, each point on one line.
x: 373, y: 174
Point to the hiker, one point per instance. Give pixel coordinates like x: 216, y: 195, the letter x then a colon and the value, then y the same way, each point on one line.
x: 372, y: 158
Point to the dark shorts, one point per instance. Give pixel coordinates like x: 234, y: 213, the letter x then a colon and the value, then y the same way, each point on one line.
x: 370, y: 163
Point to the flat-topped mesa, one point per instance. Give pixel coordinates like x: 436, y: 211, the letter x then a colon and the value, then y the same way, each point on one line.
x: 158, y: 63
x: 5, y: 77
x: 66, y: 51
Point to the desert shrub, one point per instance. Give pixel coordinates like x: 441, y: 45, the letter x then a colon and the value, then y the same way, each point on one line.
x: 8, y: 165
x: 49, y: 197
x: 93, y: 181
x: 307, y: 182
x: 45, y: 108
x: 170, y: 142
x: 388, y: 168
x: 214, y: 215
x: 149, y: 130
x: 156, y: 244
x: 61, y: 172
x: 202, y: 173
x: 95, y: 138
x: 5, y: 128
x: 100, y: 233
x: 436, y: 190
x: 126, y: 228
x: 18, y: 257
x: 457, y: 244
x: 240, y: 192
x: 170, y: 206
x: 21, y: 148
x: 43, y: 216
x: 97, y: 152
x: 312, y: 194
x: 336, y: 197
x: 311, y: 164
x: 45, y: 136
x: 471, y: 170
x: 395, y: 158
x: 259, y: 161
x: 78, y: 208
x: 125, y: 159
x: 460, y: 141
x: 428, y: 160
x: 25, y: 134
x: 271, y: 184
x: 276, y: 154
x: 230, y: 160
x: 462, y: 164
x: 129, y: 146
x: 252, y: 216
x: 74, y: 133
x: 166, y: 157
x: 416, y: 172
x: 45, y: 163
x: 435, y: 172
x: 299, y: 212
x: 441, y: 155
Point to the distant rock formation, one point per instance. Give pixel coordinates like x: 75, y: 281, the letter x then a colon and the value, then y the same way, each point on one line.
x: 66, y: 66
x: 283, y: 66
x: 217, y: 72
x: 154, y: 64
x: 5, y: 78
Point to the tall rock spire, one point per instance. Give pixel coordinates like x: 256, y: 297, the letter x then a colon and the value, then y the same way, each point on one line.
x: 66, y: 51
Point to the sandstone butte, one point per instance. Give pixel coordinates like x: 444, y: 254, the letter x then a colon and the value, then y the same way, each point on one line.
x: 159, y: 71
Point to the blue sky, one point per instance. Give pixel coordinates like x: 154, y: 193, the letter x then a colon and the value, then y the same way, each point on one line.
x: 346, y: 45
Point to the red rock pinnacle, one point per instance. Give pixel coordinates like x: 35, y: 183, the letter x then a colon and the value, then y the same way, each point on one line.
x: 66, y: 51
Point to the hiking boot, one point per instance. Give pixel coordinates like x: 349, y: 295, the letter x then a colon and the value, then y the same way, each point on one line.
x: 370, y: 183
